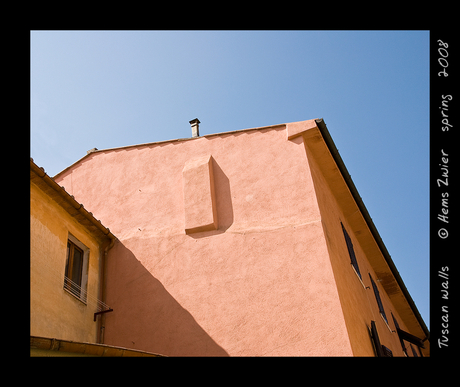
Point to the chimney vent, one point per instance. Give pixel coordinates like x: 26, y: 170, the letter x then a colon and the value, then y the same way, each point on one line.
x: 195, y: 127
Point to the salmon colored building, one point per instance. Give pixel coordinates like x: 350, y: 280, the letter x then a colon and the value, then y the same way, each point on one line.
x: 246, y: 243
x: 68, y: 251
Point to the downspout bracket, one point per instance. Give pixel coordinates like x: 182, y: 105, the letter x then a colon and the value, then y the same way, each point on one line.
x: 101, y: 312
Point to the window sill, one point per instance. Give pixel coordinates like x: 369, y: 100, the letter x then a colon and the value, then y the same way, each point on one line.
x: 386, y: 323
x: 357, y: 275
x: 82, y: 300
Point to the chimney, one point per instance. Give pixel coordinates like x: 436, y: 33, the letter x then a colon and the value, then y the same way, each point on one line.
x: 195, y: 127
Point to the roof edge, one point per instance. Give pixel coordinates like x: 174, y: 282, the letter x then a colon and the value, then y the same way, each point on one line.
x: 351, y: 186
x: 95, y: 151
x: 40, y: 172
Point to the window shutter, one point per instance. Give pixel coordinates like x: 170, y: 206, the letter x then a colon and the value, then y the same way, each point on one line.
x: 377, y: 297
x: 387, y: 351
x: 375, y: 338
x: 351, y: 251
x: 400, y: 339
x: 410, y: 338
x: 381, y: 350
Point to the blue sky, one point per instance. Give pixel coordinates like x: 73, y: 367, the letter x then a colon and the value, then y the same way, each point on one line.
x: 107, y: 89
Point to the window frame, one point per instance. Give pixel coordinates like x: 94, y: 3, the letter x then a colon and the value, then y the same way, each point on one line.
x: 72, y: 268
x: 79, y: 290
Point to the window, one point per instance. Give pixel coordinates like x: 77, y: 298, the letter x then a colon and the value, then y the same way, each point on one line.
x: 403, y: 335
x: 377, y: 297
x: 75, y: 279
x: 351, y: 251
x: 400, y: 339
x: 380, y: 350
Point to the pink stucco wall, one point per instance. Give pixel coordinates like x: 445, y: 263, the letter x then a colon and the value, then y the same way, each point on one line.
x: 260, y: 284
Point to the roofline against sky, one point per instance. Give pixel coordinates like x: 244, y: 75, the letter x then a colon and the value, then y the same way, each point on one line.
x: 95, y: 150
x: 58, y: 193
x: 354, y: 192
x: 344, y: 172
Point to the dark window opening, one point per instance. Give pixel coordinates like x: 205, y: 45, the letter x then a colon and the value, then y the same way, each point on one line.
x: 380, y: 350
x: 73, y: 269
x: 377, y: 297
x: 351, y: 251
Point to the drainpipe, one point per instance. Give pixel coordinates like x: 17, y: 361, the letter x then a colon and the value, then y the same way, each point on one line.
x: 102, y: 286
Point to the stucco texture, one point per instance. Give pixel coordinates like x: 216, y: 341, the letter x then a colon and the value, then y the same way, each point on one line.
x: 359, y: 304
x: 261, y: 284
x: 55, y: 312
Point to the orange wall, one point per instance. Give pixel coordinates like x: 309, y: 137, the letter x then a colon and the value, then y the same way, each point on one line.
x: 261, y: 284
x: 359, y: 303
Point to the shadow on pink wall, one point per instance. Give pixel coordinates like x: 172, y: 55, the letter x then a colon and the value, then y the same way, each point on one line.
x: 146, y: 316
x: 223, y: 203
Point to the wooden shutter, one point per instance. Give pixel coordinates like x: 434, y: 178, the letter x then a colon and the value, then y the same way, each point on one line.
x: 387, y: 351
x: 382, y: 351
x: 400, y: 339
x: 377, y: 297
x: 375, y: 338
x: 351, y: 251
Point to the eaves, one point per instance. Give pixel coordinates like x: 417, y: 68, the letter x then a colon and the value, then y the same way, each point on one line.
x: 39, y: 177
x: 370, y: 224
